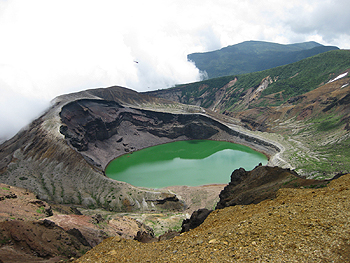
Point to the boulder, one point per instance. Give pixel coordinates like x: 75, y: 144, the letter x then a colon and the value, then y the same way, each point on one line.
x: 261, y: 183
x: 195, y: 220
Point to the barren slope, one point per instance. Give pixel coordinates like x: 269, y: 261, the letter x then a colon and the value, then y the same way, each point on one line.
x: 300, y: 225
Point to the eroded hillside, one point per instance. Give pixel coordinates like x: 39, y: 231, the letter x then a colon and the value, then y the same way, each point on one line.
x: 304, y: 106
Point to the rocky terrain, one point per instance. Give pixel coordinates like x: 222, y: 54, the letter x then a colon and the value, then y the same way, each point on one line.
x: 261, y: 215
x: 29, y: 224
x: 248, y: 187
x: 21, y: 204
x: 313, y: 129
x: 61, y: 156
x: 32, y: 230
x: 299, y: 225
x: 261, y: 183
x: 253, y: 187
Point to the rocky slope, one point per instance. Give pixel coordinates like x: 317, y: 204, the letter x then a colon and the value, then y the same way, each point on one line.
x: 314, y: 128
x: 31, y: 230
x: 253, y: 187
x: 261, y: 183
x: 61, y: 156
x: 40, y: 159
x: 299, y: 225
x: 265, y: 88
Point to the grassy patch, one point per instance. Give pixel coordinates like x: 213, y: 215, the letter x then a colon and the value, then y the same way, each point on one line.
x: 40, y: 210
x: 291, y: 180
x: 328, y: 123
x: 4, y: 240
x: 315, y: 186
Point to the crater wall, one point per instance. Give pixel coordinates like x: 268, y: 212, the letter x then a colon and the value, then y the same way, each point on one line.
x: 62, y: 155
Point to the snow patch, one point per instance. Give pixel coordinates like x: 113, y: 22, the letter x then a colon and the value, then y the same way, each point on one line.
x: 339, y: 77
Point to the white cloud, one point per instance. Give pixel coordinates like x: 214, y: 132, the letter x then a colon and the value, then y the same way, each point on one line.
x: 52, y: 47
x: 17, y: 110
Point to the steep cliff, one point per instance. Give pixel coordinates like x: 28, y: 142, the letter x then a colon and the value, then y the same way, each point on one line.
x: 261, y: 183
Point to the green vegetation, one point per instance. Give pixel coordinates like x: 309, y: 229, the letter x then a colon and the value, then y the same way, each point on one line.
x: 4, y: 240
x: 328, y: 147
x: 40, y: 210
x: 290, y: 180
x: 315, y: 186
x: 328, y: 122
x: 79, y: 197
x: 252, y: 56
x: 296, y: 184
x: 5, y: 188
x: 83, y: 251
x: 288, y: 81
x: 311, y: 72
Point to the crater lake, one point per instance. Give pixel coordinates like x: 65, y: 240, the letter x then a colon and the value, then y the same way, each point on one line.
x: 191, y: 163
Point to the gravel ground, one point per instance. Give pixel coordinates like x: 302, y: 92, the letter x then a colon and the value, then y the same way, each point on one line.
x: 300, y: 225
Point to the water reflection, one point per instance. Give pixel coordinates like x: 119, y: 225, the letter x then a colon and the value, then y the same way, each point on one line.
x: 190, y: 163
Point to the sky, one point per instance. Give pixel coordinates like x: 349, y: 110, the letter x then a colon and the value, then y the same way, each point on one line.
x: 53, y: 47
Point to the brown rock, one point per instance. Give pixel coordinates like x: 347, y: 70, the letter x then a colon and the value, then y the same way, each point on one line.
x: 268, y: 233
x: 261, y: 183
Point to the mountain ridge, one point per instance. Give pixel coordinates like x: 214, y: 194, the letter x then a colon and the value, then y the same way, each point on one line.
x: 251, y: 56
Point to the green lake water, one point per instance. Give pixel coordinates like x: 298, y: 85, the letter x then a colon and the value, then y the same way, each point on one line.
x: 191, y: 163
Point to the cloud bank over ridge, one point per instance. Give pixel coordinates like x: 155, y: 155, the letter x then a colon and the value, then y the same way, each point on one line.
x: 52, y: 47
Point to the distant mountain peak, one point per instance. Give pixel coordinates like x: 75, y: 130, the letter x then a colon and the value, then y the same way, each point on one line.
x: 250, y: 56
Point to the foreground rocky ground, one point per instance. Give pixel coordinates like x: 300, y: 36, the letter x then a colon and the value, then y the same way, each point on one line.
x: 300, y: 225
x: 32, y: 230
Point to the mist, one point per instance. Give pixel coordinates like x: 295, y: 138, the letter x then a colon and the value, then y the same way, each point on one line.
x: 52, y: 47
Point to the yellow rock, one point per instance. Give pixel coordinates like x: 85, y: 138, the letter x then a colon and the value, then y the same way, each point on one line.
x: 117, y: 239
x: 213, y: 241
x: 112, y: 252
